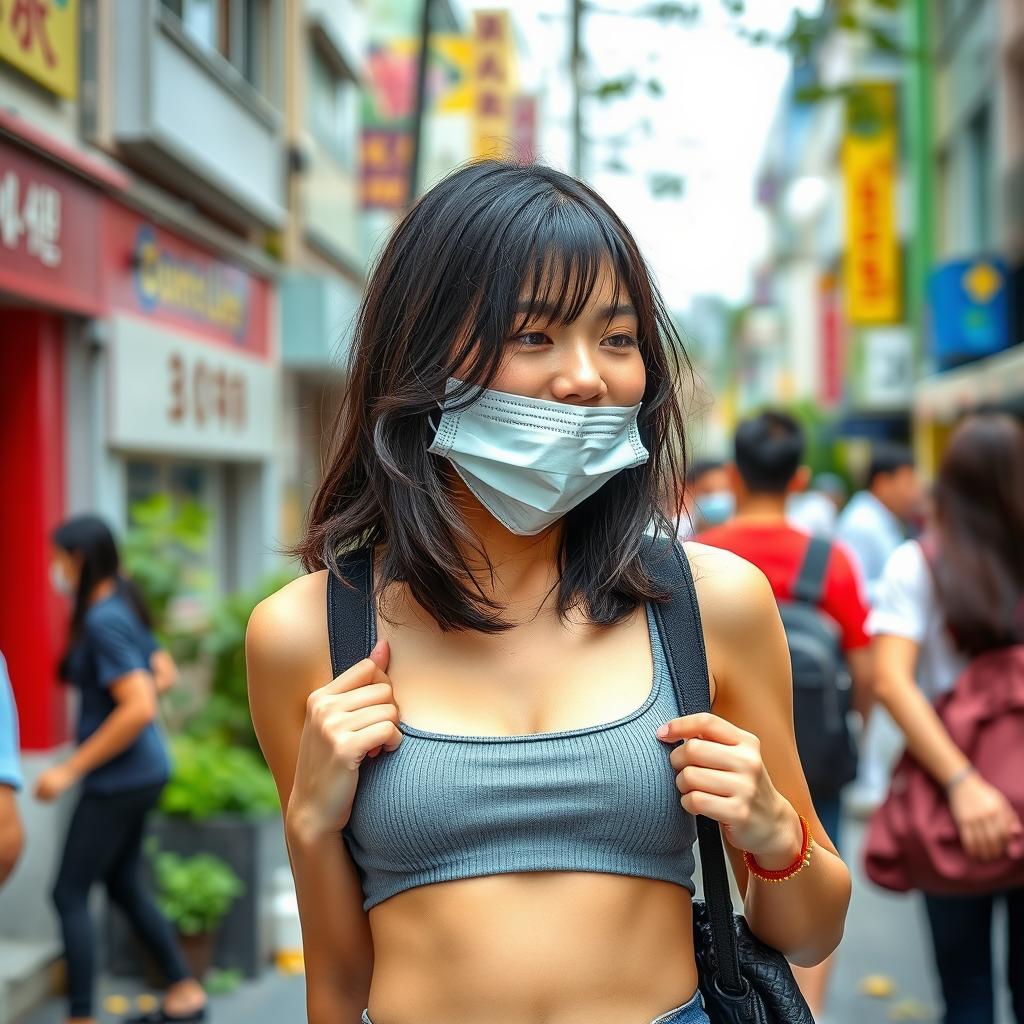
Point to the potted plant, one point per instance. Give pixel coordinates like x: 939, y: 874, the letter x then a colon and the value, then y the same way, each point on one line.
x: 195, y: 894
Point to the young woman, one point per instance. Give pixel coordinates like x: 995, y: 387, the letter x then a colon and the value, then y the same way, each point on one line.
x: 121, y: 762
x: 519, y: 849
x: 929, y: 621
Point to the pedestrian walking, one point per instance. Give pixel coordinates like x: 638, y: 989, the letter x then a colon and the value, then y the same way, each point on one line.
x: 823, y: 608
x: 12, y: 833
x: 707, y: 497
x: 516, y: 813
x: 121, y: 762
x: 872, y: 526
x: 944, y: 603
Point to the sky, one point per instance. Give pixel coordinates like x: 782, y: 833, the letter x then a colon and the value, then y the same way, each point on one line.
x: 709, y: 127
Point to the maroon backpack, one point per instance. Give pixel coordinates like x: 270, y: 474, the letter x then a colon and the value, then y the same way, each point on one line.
x: 912, y: 840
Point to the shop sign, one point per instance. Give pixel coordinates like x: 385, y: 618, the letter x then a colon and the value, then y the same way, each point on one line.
x: 388, y: 102
x: 872, y: 258
x: 40, y: 38
x: 493, y: 84
x: 886, y: 379
x: 833, y: 350
x: 172, y: 393
x: 161, y: 276
x: 970, y: 310
x: 48, y: 234
x: 524, y: 128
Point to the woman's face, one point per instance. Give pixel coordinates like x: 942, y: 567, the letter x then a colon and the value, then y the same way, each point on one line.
x: 594, y: 361
x: 65, y: 569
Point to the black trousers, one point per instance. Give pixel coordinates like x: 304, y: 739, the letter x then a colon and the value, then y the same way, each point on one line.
x: 962, y: 939
x: 104, y: 843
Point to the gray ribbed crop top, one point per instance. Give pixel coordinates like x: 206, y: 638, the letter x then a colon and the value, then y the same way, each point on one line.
x: 601, y: 798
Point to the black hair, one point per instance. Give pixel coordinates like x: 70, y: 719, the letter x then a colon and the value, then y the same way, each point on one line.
x: 90, y: 538
x: 446, y: 294
x: 769, y: 449
x: 887, y: 458
x: 701, y: 467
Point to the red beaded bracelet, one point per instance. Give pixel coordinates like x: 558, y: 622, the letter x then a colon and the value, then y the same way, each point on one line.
x: 794, y: 869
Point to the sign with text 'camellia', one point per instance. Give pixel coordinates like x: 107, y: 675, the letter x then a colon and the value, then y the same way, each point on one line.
x: 40, y: 38
x: 872, y: 261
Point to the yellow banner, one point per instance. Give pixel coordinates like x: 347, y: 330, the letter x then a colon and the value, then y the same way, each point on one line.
x: 872, y: 266
x: 493, y: 83
x: 40, y: 38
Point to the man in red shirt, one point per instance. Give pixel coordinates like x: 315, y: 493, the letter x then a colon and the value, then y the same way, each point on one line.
x: 769, y: 451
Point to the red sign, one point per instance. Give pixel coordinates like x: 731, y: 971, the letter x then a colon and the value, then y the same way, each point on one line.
x: 49, y: 235
x: 158, y: 275
x: 833, y: 355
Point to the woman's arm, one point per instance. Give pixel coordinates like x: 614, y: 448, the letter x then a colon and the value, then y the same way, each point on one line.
x: 134, y: 709
x: 750, y: 736
x: 287, y: 658
x: 984, y: 818
x: 897, y: 689
x: 165, y: 672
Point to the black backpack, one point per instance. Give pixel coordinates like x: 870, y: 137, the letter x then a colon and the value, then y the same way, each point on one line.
x: 821, y: 679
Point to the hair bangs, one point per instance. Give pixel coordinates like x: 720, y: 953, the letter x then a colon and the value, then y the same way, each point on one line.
x: 570, y: 252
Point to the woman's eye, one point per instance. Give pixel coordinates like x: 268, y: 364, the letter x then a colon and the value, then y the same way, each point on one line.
x: 621, y: 341
x: 534, y: 339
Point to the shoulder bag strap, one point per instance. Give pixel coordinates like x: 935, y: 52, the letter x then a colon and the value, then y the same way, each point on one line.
x: 810, y: 583
x: 351, y: 624
x: 682, y: 637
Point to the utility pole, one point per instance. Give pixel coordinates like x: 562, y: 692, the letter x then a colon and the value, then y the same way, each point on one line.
x: 576, y: 75
x: 415, y: 158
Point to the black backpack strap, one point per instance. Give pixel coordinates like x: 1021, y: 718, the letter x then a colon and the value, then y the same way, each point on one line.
x: 351, y: 624
x: 810, y: 582
x: 682, y: 637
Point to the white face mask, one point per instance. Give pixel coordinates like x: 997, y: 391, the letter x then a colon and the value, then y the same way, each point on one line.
x: 529, y: 461
x: 60, y: 582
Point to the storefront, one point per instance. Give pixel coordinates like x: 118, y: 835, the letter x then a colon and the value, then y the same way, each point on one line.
x: 134, y: 361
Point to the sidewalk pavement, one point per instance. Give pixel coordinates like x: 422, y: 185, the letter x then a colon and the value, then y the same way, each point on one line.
x: 886, y: 940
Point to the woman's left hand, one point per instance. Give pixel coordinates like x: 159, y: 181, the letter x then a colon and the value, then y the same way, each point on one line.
x: 720, y: 774
x: 53, y: 782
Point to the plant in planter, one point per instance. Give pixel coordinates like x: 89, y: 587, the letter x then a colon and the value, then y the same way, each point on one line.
x: 211, y: 778
x: 195, y: 893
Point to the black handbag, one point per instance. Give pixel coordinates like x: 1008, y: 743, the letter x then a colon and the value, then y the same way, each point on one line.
x: 742, y: 980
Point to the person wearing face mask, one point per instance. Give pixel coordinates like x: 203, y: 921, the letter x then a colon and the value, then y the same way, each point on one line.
x: 708, y: 499
x: 469, y: 703
x: 120, y: 763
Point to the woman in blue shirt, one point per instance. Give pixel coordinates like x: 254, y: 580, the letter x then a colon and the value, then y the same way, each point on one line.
x: 121, y: 761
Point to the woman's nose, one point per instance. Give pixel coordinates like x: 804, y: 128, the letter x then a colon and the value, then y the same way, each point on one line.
x: 579, y: 378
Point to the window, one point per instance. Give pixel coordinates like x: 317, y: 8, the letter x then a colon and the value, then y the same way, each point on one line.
x: 239, y: 30
x: 333, y: 111
x: 200, y: 19
x: 255, y: 61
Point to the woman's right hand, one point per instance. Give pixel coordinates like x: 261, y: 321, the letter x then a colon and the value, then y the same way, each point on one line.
x: 984, y: 818
x: 352, y: 717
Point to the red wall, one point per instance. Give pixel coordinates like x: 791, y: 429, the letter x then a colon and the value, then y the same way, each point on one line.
x: 32, y: 616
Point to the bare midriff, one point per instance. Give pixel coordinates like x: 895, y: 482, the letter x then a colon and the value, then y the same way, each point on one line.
x: 556, y: 947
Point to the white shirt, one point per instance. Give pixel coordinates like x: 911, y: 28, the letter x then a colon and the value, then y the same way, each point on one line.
x: 907, y: 606
x: 872, y: 533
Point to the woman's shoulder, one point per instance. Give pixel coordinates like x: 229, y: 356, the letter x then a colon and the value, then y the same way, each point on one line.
x: 287, y: 631
x: 112, y: 614
x: 733, y: 594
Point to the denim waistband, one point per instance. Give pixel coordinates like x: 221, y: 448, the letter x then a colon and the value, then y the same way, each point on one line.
x: 690, y: 1012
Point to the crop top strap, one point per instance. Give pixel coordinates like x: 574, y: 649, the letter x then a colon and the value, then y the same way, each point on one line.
x: 351, y: 624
